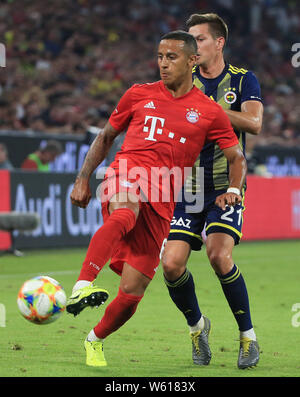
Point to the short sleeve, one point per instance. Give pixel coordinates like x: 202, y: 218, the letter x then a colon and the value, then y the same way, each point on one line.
x: 221, y: 130
x: 250, y: 89
x: 121, y: 116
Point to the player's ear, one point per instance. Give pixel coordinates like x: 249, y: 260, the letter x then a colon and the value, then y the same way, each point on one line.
x: 192, y: 59
x: 220, y: 42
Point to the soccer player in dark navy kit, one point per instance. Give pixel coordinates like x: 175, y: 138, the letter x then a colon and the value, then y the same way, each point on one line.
x: 238, y: 92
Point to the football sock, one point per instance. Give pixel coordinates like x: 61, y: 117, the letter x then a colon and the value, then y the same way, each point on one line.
x: 182, y: 293
x: 235, y: 291
x: 92, y: 337
x: 120, y: 310
x: 198, y: 326
x: 105, y: 241
x: 80, y: 284
x: 248, y: 334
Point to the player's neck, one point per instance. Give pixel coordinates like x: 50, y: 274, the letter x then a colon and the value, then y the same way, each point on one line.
x: 212, y: 70
x: 180, y: 89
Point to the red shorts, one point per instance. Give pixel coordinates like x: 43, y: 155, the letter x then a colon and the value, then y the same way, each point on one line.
x: 142, y: 246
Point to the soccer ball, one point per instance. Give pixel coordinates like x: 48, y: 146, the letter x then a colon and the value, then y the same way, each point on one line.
x: 41, y: 300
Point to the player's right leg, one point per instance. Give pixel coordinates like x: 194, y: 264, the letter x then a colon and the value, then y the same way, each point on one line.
x: 223, y: 233
x: 180, y: 284
x: 122, y: 212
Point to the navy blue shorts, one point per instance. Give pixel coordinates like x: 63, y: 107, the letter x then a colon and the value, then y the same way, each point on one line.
x: 189, y: 226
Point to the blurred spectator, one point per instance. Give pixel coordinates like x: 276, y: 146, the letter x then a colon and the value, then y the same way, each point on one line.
x: 69, y: 63
x: 5, y: 164
x: 39, y: 160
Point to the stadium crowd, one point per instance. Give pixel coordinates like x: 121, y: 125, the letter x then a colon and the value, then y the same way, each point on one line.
x: 69, y: 62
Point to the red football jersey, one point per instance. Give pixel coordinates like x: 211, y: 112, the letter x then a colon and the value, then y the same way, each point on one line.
x: 163, y: 131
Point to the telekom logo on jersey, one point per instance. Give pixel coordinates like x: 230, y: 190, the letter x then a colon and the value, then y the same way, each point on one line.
x: 153, y: 128
x: 156, y: 126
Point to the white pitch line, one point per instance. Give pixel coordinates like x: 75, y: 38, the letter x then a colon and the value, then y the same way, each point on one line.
x: 52, y: 273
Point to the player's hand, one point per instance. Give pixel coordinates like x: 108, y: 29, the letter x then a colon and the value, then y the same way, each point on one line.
x: 81, y: 193
x: 228, y: 199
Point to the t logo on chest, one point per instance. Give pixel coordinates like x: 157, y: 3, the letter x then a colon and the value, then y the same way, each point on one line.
x: 154, y: 127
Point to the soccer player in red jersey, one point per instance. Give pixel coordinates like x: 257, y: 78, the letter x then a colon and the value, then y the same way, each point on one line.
x: 167, y: 123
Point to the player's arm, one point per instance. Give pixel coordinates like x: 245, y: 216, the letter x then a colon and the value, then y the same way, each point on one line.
x: 222, y: 133
x: 99, y: 149
x: 237, y: 174
x: 249, y: 119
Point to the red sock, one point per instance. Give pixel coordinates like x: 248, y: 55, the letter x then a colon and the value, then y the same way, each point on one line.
x: 104, y: 242
x: 117, y: 313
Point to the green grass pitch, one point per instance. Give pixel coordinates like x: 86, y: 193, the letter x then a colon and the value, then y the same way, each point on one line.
x: 155, y: 341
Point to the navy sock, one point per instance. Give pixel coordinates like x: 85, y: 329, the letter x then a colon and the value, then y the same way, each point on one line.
x: 235, y: 291
x: 182, y: 293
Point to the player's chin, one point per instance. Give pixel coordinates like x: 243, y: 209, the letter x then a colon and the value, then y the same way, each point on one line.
x: 166, y: 78
x: 200, y: 61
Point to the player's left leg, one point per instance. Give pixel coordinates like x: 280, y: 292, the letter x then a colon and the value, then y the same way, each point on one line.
x: 132, y: 287
x: 219, y: 250
x: 181, y: 287
x: 184, y: 236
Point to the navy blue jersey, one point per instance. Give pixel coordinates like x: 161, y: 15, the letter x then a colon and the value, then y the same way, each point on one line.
x: 230, y: 89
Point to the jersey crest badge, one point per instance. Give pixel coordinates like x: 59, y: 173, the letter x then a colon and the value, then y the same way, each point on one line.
x: 192, y: 115
x: 230, y: 96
